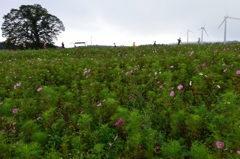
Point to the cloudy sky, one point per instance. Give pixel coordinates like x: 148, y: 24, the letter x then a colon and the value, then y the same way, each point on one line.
x: 103, y: 22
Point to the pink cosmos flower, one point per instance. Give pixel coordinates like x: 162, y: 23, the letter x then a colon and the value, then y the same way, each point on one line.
x: 180, y: 87
x: 238, y: 152
x: 14, y: 123
x: 219, y: 144
x: 161, y: 86
x: 99, y: 104
x: 1, y: 103
x: 191, y: 53
x: 225, y: 70
x: 38, y: 118
x: 15, y: 111
x: 204, y: 65
x: 118, y: 122
x: 18, y: 84
x: 110, y: 144
x: 116, y: 137
x: 157, y: 147
x: 130, y: 97
x: 171, y: 66
x: 238, y: 72
x: 172, y: 93
x: 39, y: 89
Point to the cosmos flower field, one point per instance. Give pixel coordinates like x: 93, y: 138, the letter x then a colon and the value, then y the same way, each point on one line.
x: 145, y: 102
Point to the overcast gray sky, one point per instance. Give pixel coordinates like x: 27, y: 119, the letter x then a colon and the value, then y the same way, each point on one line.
x: 104, y: 22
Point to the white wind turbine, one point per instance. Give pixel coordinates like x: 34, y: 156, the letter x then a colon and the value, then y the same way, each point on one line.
x: 203, y: 29
x: 188, y: 34
x: 225, y: 28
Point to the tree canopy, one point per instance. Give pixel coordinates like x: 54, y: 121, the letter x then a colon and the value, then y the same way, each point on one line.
x: 31, y: 24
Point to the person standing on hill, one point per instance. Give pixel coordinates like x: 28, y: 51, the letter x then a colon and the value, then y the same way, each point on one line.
x: 114, y: 45
x: 63, y: 45
x: 24, y: 45
x: 45, y: 45
x: 154, y: 43
x: 179, y: 41
x: 134, y: 44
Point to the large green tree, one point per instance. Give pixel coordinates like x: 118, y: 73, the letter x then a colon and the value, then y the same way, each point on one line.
x: 31, y: 24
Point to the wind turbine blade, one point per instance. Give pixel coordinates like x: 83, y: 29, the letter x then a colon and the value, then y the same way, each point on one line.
x: 221, y: 23
x: 191, y: 31
x: 205, y: 31
x: 233, y: 18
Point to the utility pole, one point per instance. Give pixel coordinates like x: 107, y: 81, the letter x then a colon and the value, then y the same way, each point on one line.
x: 91, y: 40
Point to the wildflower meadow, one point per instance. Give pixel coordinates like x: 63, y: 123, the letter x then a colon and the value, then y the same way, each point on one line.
x: 145, y: 102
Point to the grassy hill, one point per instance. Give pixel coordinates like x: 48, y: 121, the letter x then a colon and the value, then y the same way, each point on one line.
x: 145, y: 102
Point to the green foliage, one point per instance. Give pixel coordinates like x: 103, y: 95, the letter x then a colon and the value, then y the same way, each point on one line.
x: 28, y: 128
x: 39, y: 137
x: 98, y: 151
x: 28, y: 151
x: 93, y: 102
x: 199, y: 151
x: 172, y: 149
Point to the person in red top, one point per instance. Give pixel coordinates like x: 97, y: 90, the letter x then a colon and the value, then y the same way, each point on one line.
x: 63, y: 45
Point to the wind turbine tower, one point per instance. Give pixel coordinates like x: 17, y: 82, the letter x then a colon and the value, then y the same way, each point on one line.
x: 225, y: 27
x: 188, y: 34
x: 203, y: 29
